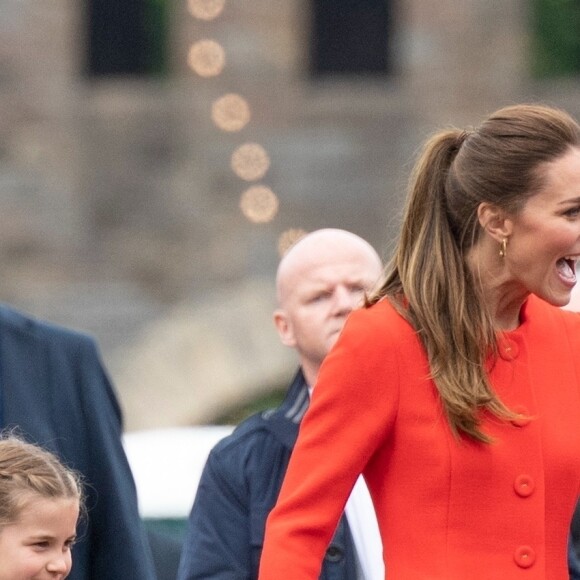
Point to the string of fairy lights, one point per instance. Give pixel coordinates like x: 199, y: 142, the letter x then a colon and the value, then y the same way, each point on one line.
x: 231, y: 113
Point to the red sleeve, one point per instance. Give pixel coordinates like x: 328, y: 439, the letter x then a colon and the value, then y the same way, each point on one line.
x: 352, y: 411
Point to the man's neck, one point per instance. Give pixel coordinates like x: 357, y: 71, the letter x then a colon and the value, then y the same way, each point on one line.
x: 310, y: 373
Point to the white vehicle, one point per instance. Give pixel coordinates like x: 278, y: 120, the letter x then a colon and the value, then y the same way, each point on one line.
x: 167, y: 465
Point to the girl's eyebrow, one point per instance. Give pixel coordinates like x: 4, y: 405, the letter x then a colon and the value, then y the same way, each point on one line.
x: 570, y: 201
x: 45, y: 537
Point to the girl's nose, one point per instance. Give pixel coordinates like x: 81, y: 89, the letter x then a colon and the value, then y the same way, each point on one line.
x: 60, y: 563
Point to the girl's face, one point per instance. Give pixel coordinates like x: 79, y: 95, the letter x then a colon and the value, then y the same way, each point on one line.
x: 38, y: 545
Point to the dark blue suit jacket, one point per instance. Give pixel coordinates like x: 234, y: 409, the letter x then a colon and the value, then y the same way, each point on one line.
x: 55, y: 390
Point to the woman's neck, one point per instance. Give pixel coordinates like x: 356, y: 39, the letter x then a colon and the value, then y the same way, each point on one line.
x: 503, y: 296
x: 505, y: 310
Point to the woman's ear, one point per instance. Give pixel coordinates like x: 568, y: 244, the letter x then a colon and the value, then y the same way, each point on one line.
x: 495, y: 221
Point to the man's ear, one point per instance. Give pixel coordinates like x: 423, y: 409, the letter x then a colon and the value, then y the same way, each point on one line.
x: 284, y: 328
x: 495, y: 221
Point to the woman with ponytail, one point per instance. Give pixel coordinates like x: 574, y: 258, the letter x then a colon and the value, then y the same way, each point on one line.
x: 456, y: 390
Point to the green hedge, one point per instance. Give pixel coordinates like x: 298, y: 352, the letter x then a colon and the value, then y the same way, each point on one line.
x: 556, y: 38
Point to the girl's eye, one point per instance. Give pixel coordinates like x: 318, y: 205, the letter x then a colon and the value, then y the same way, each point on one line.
x: 573, y: 212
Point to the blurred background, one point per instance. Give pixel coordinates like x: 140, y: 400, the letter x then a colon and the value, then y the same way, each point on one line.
x: 156, y: 156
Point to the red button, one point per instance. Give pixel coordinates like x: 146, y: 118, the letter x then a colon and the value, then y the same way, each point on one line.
x: 524, y: 416
x: 524, y: 556
x: 524, y: 485
x: 508, y: 349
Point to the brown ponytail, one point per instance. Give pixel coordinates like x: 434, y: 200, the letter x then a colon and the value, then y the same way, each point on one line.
x: 428, y: 280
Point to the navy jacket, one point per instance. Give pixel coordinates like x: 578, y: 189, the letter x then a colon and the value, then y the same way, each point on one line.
x: 55, y: 390
x: 573, y: 564
x: 238, y: 488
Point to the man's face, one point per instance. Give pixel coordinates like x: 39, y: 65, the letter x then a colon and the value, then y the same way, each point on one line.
x: 318, y: 295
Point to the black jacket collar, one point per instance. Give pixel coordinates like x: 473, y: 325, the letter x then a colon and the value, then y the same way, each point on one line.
x: 284, y: 421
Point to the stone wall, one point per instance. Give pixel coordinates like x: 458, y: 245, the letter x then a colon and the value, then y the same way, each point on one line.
x: 119, y: 210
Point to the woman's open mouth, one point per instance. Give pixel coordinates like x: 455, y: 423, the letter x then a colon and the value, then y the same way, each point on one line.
x: 567, y: 269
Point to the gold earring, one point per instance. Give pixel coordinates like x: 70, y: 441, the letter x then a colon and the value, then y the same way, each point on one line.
x: 503, y: 248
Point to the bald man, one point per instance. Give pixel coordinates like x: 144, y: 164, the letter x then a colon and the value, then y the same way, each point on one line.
x: 319, y: 281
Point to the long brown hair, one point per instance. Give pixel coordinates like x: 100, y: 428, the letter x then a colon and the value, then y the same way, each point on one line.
x: 428, y: 280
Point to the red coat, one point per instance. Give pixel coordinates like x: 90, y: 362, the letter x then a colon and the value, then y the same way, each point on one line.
x: 448, y: 509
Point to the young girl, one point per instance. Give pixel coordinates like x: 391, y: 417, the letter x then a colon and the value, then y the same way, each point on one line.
x: 40, y: 501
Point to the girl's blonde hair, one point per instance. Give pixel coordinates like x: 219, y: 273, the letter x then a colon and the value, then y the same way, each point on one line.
x: 27, y: 471
x: 428, y: 280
